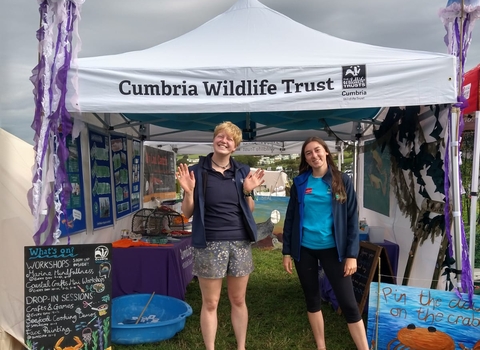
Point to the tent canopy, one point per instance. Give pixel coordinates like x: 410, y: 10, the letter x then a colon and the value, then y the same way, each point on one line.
x: 261, y: 70
x: 245, y: 148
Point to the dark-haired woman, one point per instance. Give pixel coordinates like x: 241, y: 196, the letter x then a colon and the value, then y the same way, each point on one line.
x: 321, y: 225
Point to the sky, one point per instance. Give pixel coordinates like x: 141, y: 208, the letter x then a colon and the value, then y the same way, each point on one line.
x: 114, y: 26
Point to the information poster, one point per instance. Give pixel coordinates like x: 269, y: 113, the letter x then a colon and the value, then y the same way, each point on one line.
x: 75, y: 218
x: 100, y: 180
x: 121, y: 180
x: 136, y: 175
x: 408, y: 317
x: 68, y: 297
x: 159, y: 174
x: 376, y: 180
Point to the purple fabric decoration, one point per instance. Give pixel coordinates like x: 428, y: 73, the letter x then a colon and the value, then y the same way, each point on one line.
x: 462, y: 103
x: 446, y: 184
x: 38, y: 92
x: 458, y: 39
x: 467, y: 278
x: 52, y: 122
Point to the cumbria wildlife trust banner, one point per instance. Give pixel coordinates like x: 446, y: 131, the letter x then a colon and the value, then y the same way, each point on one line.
x: 413, y: 318
x: 148, y: 92
x: 272, y: 63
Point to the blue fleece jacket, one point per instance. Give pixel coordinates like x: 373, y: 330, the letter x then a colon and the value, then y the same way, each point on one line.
x: 345, y: 218
x: 198, y: 222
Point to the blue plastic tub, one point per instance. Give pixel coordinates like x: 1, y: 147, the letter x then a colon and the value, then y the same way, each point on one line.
x: 164, y: 317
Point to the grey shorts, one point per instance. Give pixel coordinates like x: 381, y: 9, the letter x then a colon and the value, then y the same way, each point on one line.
x: 222, y: 258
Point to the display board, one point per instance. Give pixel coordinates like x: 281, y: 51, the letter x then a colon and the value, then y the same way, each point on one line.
x: 367, y: 271
x: 159, y: 174
x: 74, y: 221
x: 136, y: 175
x: 100, y: 180
x: 68, y: 296
x: 376, y: 179
x: 121, y: 180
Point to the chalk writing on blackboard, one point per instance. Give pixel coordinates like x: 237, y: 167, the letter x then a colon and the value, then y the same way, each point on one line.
x: 68, y: 296
x: 367, y: 271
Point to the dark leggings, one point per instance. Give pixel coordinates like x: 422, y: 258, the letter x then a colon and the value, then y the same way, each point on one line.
x: 307, y: 270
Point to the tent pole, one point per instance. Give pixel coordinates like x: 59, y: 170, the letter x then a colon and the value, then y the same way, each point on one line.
x: 355, y: 164
x: 455, y: 183
x: 339, y: 154
x: 474, y: 189
x: 342, y: 145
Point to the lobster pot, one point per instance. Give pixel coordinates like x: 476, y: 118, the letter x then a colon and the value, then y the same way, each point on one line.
x: 157, y: 223
x: 139, y: 221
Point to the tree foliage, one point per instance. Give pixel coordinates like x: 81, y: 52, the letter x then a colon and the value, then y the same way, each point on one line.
x: 466, y: 168
x: 251, y: 161
x: 466, y: 148
x: 183, y: 160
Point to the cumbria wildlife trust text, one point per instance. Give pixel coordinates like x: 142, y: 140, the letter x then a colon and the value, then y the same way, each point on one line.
x: 224, y: 88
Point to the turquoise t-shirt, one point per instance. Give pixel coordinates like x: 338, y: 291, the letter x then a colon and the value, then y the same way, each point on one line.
x: 317, y: 217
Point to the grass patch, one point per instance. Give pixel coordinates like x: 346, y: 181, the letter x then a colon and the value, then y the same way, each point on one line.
x: 277, y: 315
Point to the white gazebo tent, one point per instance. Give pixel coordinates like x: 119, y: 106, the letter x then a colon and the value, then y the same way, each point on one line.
x: 276, y: 78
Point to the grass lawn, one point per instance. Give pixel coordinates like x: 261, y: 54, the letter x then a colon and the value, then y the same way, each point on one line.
x: 277, y: 315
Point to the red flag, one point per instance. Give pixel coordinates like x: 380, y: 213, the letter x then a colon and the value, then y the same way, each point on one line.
x: 471, y: 83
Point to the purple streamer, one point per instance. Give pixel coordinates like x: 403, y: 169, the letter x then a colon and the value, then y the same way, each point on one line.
x: 446, y: 185
x: 467, y: 280
x: 459, y: 48
x: 37, y: 80
x: 59, y: 120
x: 38, y: 92
x: 462, y: 104
x: 43, y: 227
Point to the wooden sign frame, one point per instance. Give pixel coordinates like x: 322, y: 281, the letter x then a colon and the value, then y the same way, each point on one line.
x: 68, y: 296
x: 367, y: 271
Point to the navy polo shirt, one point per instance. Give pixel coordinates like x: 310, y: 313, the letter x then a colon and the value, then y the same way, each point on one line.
x: 223, y: 214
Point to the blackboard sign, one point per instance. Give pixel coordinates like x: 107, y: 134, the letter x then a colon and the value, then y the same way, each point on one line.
x: 68, y: 297
x: 367, y: 271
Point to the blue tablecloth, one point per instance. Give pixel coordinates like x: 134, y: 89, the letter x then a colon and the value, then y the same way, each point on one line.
x: 163, y: 270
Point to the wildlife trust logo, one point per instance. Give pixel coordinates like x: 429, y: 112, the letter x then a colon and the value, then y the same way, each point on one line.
x: 101, y: 253
x: 354, y: 77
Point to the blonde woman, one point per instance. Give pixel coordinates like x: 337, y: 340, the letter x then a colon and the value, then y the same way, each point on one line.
x: 218, y: 192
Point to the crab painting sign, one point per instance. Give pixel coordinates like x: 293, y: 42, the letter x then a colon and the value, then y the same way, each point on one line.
x: 68, y: 297
x: 421, y: 318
